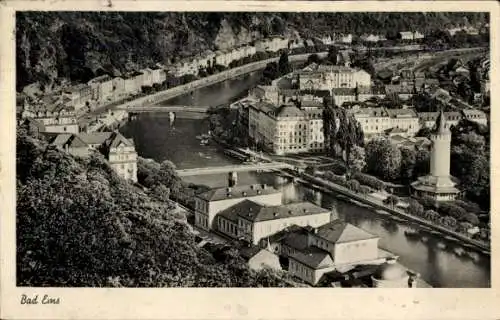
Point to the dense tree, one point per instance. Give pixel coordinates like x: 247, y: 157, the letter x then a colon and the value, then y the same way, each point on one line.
x: 284, y: 66
x: 79, y: 224
x: 356, y: 161
x: 391, y: 200
x: 408, y: 160
x: 383, y: 159
x: 422, y: 163
x: 332, y: 55
x: 415, y: 208
x: 341, y: 129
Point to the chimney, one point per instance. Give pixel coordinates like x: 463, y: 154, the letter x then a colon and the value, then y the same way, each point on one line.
x: 315, y: 230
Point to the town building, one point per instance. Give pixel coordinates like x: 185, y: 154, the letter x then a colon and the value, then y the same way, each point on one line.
x: 336, y: 245
x: 428, y: 119
x: 404, y: 90
x: 405, y: 119
x: 54, y: 116
x: 147, y: 77
x: 476, y: 116
x: 102, y: 88
x: 287, y: 128
x: 80, y: 95
x: 409, y: 35
x: 212, y: 202
x: 251, y: 221
x: 132, y: 83
x: 373, y: 121
x: 329, y: 77
x: 439, y: 184
x: 271, y: 44
x: 118, y: 87
x: 258, y: 258
x: 118, y: 150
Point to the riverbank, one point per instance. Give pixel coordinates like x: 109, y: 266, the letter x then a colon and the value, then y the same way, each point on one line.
x: 327, y: 186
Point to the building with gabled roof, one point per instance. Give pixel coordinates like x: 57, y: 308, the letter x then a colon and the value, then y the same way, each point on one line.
x: 336, y: 245
x: 251, y: 221
x: 216, y: 200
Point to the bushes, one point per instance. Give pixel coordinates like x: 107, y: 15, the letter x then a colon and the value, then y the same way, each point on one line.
x: 370, y: 181
x: 353, y: 185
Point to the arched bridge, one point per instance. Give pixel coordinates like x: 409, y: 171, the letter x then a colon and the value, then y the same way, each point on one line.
x: 234, y: 168
x: 177, y: 108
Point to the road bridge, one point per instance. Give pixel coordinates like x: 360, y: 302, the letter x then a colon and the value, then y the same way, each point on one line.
x: 234, y: 168
x: 173, y: 108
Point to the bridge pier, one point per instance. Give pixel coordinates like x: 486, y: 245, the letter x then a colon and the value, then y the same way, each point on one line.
x: 132, y: 116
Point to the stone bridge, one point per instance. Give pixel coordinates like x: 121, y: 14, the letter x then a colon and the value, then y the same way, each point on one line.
x: 234, y: 168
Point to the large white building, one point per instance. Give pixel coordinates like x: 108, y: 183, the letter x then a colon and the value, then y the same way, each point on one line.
x: 285, y: 129
x: 329, y: 77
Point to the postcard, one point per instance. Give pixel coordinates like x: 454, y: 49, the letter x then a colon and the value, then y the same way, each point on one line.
x: 248, y: 160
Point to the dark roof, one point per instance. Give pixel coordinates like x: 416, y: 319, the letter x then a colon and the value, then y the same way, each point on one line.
x: 249, y: 252
x: 289, y: 111
x: 313, y: 257
x: 243, y: 191
x: 254, y: 212
x: 401, y: 113
x: 297, y: 239
x: 72, y: 140
x: 339, y: 231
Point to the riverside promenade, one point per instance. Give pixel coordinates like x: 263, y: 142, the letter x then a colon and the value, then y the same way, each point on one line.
x: 328, y: 186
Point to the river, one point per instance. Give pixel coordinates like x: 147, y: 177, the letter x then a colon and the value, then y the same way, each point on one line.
x: 435, y: 259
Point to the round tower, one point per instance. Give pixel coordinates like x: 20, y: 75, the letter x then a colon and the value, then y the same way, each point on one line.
x: 441, y: 148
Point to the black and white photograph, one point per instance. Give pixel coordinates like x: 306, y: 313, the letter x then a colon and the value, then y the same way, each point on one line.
x: 252, y: 149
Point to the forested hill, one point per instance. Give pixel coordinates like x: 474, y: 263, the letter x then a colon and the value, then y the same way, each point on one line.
x: 79, y: 224
x: 78, y: 45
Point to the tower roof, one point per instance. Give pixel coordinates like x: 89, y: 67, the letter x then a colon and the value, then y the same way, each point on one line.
x: 440, y: 126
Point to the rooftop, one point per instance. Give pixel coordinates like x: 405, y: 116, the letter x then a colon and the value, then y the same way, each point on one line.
x: 242, y: 191
x: 255, y: 212
x: 313, y: 257
x: 339, y: 231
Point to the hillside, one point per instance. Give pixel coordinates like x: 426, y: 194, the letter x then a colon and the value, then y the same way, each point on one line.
x: 80, y: 45
x: 79, y: 224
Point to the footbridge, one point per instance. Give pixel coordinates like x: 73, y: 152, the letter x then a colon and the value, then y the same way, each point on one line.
x: 173, y: 108
x: 234, y: 168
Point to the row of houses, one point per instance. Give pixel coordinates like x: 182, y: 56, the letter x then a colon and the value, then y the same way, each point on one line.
x: 311, y: 241
x: 207, y: 59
